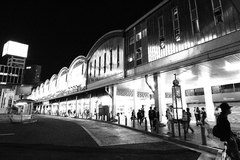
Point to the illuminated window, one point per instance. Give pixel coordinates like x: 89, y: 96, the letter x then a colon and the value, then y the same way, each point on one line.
x: 161, y: 32
x: 90, y: 74
x: 144, y: 33
x: 176, y: 27
x: 111, y: 64
x: 194, y: 16
x: 139, y: 55
x: 99, y: 68
x: 138, y: 36
x: 130, y: 57
x: 217, y: 11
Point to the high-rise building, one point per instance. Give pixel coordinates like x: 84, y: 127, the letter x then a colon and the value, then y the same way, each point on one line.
x: 32, y: 74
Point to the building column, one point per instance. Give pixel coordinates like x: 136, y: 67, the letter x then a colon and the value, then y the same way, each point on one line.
x: 209, y: 102
x: 159, y: 95
x: 114, y: 101
x: 183, y: 96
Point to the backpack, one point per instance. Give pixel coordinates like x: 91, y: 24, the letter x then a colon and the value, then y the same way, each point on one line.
x: 215, y: 131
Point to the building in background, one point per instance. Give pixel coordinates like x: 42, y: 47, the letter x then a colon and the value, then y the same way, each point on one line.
x: 32, y: 75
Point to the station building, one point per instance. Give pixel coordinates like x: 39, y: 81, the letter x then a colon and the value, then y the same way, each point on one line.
x: 194, y: 42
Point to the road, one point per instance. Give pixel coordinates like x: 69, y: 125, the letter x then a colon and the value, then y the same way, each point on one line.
x: 62, y: 138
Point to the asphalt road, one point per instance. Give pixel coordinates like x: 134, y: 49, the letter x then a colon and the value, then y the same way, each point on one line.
x: 68, y: 138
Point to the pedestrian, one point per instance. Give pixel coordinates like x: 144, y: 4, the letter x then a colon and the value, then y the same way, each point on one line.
x: 151, y: 116
x: 197, y: 115
x: 203, y: 116
x: 156, y: 118
x: 188, y: 120
x: 143, y: 113
x: 184, y: 122
x: 169, y: 116
x: 226, y: 134
x: 133, y: 115
x: 216, y: 113
x: 139, y: 116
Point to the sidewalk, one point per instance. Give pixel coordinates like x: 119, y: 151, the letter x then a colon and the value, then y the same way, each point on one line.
x: 5, y: 118
x: 193, y: 140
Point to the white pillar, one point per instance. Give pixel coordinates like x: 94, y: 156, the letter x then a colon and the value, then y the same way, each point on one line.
x: 160, y: 99
x: 135, y: 100
x: 209, y: 102
x: 114, y: 100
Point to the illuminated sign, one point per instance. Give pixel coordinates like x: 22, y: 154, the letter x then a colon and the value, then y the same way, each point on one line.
x: 15, y: 49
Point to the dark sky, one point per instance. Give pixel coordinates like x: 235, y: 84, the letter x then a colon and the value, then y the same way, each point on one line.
x: 58, y: 31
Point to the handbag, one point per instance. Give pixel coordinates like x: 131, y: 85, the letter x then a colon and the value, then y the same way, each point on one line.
x: 215, y: 131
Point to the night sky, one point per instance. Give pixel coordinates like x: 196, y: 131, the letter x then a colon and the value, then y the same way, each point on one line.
x: 58, y: 31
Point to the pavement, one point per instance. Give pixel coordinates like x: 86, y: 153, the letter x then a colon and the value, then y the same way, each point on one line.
x: 196, y: 140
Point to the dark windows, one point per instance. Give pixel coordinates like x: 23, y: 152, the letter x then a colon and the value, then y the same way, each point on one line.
x: 118, y: 59
x: 105, y: 59
x: 139, y: 56
x: 131, y: 40
x: 111, y: 59
x: 194, y: 16
x: 95, y: 65
x: 161, y: 32
x: 99, y: 68
x: 194, y: 92
x: 217, y: 11
x: 176, y: 27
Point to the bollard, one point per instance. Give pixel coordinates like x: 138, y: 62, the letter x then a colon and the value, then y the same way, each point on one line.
x: 133, y: 122
x: 173, y: 130
x: 203, y: 135
x: 145, y: 124
x: 157, y: 126
x: 125, y: 120
x: 118, y: 119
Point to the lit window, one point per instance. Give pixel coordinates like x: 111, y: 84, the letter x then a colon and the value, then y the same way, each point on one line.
x: 144, y: 33
x: 176, y: 27
x: 161, y: 32
x: 138, y: 36
x: 139, y: 55
x: 194, y: 16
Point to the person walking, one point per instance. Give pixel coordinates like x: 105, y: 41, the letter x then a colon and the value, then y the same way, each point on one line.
x: 203, y: 116
x: 133, y: 115
x: 169, y: 116
x: 197, y: 115
x: 156, y: 118
x: 143, y: 113
x: 151, y: 116
x: 226, y: 134
x: 139, y: 116
x: 188, y: 120
x: 185, y: 123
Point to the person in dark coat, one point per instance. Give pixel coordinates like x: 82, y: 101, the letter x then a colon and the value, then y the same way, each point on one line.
x: 226, y: 134
x: 151, y: 116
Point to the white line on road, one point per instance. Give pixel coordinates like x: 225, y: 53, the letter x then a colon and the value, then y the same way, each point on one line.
x: 7, y: 134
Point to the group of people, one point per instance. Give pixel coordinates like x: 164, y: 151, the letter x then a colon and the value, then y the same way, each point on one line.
x: 140, y: 115
x: 200, y: 116
x: 153, y: 116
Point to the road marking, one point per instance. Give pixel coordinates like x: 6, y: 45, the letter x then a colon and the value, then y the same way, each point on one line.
x: 7, y: 134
